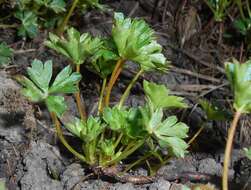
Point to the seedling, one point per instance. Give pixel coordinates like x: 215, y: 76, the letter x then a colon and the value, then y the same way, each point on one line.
x: 77, y: 48
x: 116, y: 132
x: 218, y: 8
x: 239, y: 76
x: 5, y: 54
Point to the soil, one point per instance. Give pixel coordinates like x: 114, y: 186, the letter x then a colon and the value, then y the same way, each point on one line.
x: 32, y: 158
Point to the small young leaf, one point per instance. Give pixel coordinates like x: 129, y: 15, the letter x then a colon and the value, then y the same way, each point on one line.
x: 29, y: 25
x: 159, y: 96
x: 92, y: 129
x: 239, y: 76
x: 115, y: 118
x: 76, y: 47
x: 76, y: 127
x: 5, y: 54
x: 107, y: 147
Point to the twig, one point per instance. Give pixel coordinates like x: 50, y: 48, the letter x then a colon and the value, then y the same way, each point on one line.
x: 21, y: 51
x: 198, y: 75
x: 213, y: 89
x: 197, y: 60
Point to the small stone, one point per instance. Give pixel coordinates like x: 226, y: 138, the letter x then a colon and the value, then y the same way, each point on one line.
x: 160, y: 184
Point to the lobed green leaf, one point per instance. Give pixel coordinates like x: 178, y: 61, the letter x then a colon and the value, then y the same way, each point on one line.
x: 239, y: 76
x: 159, y: 96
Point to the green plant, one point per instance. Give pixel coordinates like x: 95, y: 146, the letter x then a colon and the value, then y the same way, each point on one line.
x: 128, y: 129
x: 5, y: 54
x: 77, y: 48
x: 116, y: 132
x: 219, y: 8
x: 239, y: 76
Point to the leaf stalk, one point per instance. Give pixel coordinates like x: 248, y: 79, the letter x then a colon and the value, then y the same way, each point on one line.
x: 62, y: 139
x: 129, y: 87
x: 117, y: 70
x: 229, y: 148
x: 66, y: 18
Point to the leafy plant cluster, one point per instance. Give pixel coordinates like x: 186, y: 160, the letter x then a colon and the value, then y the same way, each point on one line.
x: 35, y: 14
x: 116, y: 132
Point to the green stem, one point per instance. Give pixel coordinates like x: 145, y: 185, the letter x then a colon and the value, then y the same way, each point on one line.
x: 126, y: 153
x: 129, y: 87
x: 80, y: 104
x: 248, y: 8
x: 63, y: 140
x: 100, y: 102
x: 136, y: 162
x: 67, y: 17
x: 118, y: 140
x: 195, y: 135
x: 228, y: 149
x: 115, y: 73
x: 239, y: 4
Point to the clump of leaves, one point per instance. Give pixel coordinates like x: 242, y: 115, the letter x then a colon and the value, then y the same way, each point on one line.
x: 239, y: 76
x: 116, y: 132
x: 5, y: 54
x: 38, y: 88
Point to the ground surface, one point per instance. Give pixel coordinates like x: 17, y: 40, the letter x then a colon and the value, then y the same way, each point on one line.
x: 31, y: 158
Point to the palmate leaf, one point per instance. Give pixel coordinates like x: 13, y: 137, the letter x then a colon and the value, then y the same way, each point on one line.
x: 159, y: 96
x: 239, y: 76
x: 76, y: 47
x: 29, y: 26
x: 38, y: 89
x: 169, y: 133
x: 5, y: 54
x: 135, y: 41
